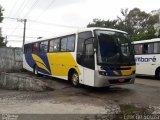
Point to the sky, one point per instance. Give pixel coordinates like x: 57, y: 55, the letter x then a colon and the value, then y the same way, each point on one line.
x: 51, y: 17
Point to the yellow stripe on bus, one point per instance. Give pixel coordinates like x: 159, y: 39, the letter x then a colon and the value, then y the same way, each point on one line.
x: 39, y: 62
x: 128, y: 72
x: 60, y: 63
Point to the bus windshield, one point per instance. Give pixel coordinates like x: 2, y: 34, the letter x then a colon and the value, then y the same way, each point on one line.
x: 114, y: 48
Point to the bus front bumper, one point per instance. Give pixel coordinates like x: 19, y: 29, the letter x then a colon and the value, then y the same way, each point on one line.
x: 102, y: 81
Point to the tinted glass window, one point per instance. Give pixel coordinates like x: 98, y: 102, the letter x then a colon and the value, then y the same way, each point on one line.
x: 54, y: 45
x: 51, y: 45
x: 114, y: 48
x: 147, y: 48
x: 28, y: 48
x: 89, y: 50
x: 71, y: 43
x: 81, y: 37
x: 108, y: 47
x: 138, y: 48
x: 157, y: 47
x: 36, y: 47
x: 44, y: 46
x: 88, y: 57
x: 64, y: 44
x: 85, y: 56
x: 150, y: 48
x: 67, y: 43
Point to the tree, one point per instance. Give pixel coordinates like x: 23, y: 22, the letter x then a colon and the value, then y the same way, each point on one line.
x: 137, y: 23
x: 103, y: 23
x: 2, y: 43
x: 140, y: 23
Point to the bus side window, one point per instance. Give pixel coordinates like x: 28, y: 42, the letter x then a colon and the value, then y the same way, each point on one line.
x: 36, y: 47
x: 51, y: 45
x: 138, y: 48
x: 145, y: 49
x: 64, y: 44
x: 157, y: 47
x: 44, y: 46
x: 67, y: 43
x: 54, y: 45
x: 150, y: 48
x: 71, y: 43
x: 28, y: 48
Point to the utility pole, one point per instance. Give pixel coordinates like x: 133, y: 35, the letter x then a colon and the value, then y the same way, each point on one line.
x: 24, y: 32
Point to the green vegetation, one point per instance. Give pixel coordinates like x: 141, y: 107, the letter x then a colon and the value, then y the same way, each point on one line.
x: 139, y: 24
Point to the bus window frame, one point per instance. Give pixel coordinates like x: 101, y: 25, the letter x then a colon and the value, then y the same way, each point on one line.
x: 26, y: 47
x: 47, y: 46
x: 48, y: 40
x: 53, y: 40
x: 60, y: 38
x: 146, y: 43
x: 38, y: 47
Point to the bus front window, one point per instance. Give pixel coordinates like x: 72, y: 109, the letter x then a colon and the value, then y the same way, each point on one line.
x: 114, y: 48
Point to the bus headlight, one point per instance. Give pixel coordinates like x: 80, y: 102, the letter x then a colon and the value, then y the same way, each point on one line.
x: 104, y: 73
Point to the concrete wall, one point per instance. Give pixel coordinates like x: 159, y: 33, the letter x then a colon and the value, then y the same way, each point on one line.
x: 10, y: 59
x: 21, y: 81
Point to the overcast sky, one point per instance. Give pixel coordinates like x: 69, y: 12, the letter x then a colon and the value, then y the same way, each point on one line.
x: 60, y: 16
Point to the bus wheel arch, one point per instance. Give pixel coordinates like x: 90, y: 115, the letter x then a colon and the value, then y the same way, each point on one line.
x: 157, y: 73
x: 73, y: 77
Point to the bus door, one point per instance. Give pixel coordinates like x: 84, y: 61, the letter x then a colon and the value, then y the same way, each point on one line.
x: 85, y: 58
x: 88, y: 62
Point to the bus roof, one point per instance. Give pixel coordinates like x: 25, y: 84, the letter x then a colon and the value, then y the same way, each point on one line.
x: 147, y: 41
x: 77, y: 31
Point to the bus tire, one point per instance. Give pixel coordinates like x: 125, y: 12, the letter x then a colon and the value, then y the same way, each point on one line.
x: 157, y: 75
x: 36, y: 71
x: 74, y: 79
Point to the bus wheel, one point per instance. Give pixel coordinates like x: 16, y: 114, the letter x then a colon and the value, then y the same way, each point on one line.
x: 157, y: 74
x: 75, y: 79
x: 36, y: 71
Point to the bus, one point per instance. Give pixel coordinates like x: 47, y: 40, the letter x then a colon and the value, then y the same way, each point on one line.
x: 147, y: 56
x: 95, y: 57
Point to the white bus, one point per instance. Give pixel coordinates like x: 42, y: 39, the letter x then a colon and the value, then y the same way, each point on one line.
x: 147, y: 55
x: 91, y: 56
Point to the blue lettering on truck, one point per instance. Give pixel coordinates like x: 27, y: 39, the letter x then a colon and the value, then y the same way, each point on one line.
x: 142, y: 59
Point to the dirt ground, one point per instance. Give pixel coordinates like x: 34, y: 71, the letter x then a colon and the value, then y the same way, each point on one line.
x: 65, y: 99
